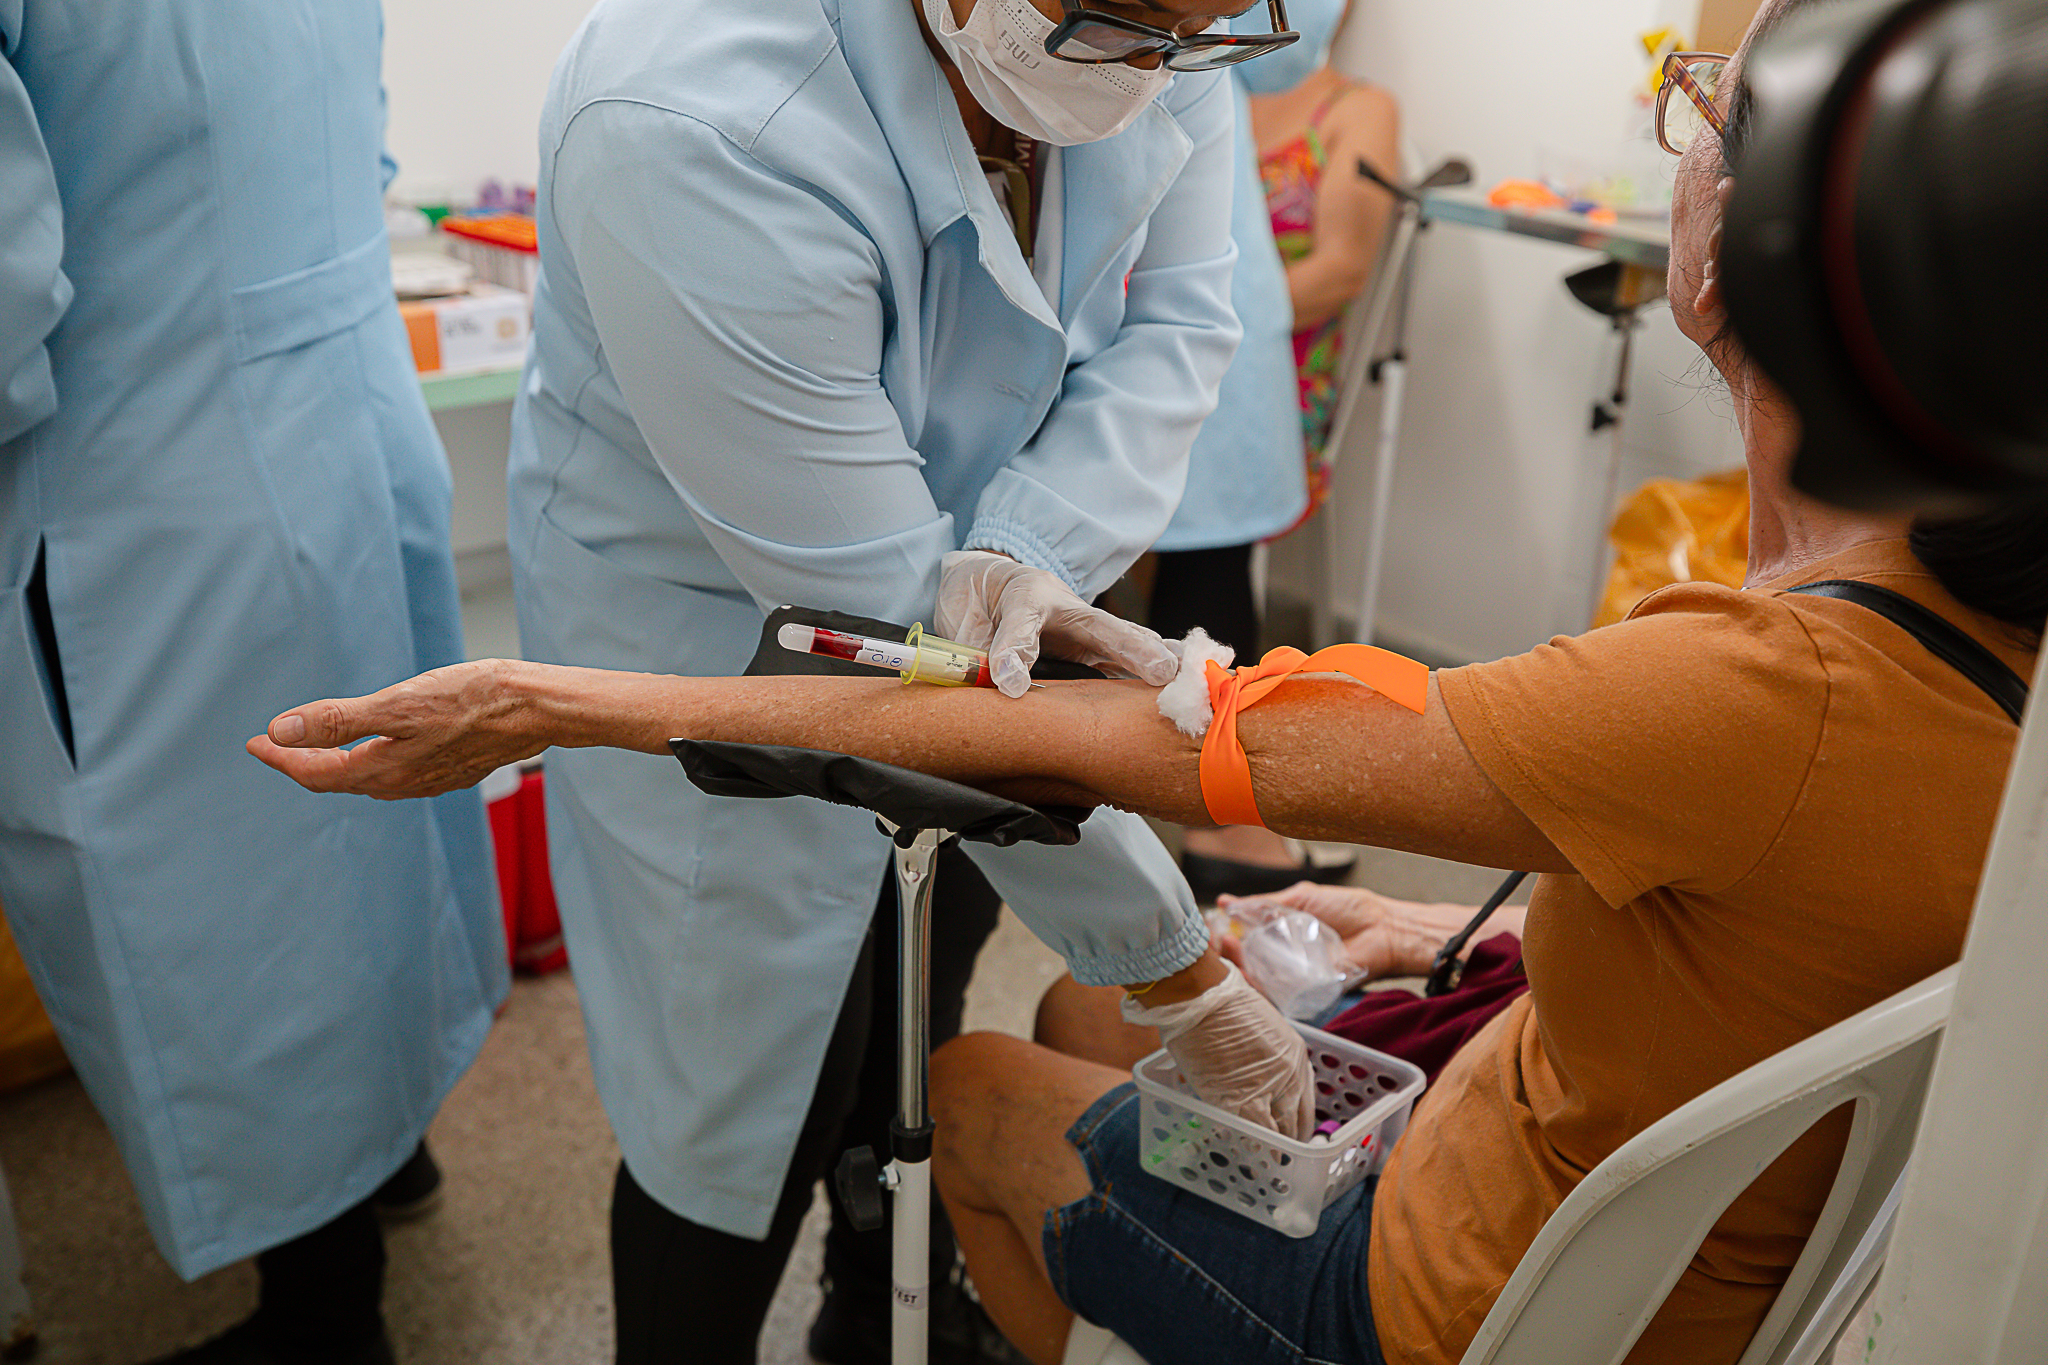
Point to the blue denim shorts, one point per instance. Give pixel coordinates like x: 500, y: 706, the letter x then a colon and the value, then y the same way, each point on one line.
x: 1188, y: 1282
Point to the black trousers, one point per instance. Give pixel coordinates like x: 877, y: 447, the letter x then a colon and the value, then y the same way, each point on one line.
x: 1211, y: 589
x: 323, y: 1290
x: 687, y: 1293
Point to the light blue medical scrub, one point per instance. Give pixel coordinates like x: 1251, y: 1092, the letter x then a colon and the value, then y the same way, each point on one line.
x: 213, y: 442
x: 787, y: 350
x: 1246, y: 477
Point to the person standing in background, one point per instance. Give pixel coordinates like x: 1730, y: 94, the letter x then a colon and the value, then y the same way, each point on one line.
x: 219, y: 487
x: 907, y: 309
x: 1306, y: 241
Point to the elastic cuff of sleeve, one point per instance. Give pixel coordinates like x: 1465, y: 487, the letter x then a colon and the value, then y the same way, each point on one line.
x: 1020, y: 543
x: 1164, y: 958
x: 1182, y: 1014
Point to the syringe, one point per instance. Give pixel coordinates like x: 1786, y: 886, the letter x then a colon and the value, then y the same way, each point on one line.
x: 922, y: 658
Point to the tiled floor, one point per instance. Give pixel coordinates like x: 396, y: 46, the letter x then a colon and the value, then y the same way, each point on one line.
x: 512, y: 1268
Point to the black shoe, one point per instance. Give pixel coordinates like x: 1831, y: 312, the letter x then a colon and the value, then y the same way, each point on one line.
x: 413, y: 1192
x: 853, y: 1329
x: 1210, y: 877
x: 247, y: 1343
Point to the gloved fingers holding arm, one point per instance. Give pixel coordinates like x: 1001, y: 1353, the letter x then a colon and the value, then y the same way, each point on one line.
x: 1015, y: 611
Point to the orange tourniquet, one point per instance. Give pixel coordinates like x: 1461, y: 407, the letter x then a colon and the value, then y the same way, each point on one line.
x: 1226, y: 772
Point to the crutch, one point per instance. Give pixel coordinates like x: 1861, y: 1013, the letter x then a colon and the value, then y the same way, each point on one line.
x: 1385, y: 302
x: 920, y: 814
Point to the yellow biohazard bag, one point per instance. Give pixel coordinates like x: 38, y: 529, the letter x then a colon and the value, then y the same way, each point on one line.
x: 29, y: 1050
x: 1677, y: 531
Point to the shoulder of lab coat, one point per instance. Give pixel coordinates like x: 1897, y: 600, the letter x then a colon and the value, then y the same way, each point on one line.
x: 33, y: 290
x: 1097, y: 485
x: 743, y: 318
x: 730, y: 67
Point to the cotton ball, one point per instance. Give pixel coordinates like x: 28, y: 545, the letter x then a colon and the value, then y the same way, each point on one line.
x: 1185, y: 700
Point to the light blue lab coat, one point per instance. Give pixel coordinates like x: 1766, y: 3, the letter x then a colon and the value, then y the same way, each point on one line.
x: 1246, y: 477
x: 787, y: 350
x: 212, y: 436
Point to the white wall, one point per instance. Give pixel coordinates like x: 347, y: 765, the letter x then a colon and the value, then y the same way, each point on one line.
x: 465, y: 79
x: 1504, y: 364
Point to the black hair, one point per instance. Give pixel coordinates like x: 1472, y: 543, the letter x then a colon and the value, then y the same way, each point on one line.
x: 1993, y: 562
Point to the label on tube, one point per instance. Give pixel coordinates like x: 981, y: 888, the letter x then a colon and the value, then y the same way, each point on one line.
x: 893, y: 655
x: 921, y: 658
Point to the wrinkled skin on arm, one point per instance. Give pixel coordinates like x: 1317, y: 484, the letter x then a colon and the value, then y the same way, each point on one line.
x: 1330, y: 759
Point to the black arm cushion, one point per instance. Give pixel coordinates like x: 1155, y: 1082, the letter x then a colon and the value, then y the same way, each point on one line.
x: 912, y: 800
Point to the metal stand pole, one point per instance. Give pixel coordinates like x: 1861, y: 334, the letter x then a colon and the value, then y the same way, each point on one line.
x: 1390, y: 373
x: 1618, y: 291
x: 910, y: 1136
x: 1385, y: 299
x: 1582, y: 600
x: 908, y: 1176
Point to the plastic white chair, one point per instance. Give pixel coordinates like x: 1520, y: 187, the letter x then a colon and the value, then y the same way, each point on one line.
x: 1604, y: 1262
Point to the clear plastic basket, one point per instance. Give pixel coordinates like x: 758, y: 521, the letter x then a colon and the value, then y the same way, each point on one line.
x: 1256, y: 1172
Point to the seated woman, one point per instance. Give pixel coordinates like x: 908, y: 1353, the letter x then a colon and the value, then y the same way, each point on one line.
x: 1755, y: 813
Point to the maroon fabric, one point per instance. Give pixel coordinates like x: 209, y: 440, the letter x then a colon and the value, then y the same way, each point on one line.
x: 1427, y: 1030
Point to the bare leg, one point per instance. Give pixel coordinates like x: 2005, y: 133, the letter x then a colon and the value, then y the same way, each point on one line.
x: 1087, y: 1022
x: 1003, y: 1107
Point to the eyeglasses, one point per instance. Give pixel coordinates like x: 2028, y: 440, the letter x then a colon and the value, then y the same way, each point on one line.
x: 1679, y: 122
x: 1092, y: 37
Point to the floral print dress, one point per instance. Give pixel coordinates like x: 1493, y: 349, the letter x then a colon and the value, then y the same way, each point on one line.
x: 1292, y: 172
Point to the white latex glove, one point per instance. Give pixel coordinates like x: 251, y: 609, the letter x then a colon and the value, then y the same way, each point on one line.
x: 992, y: 602
x: 1238, y: 1052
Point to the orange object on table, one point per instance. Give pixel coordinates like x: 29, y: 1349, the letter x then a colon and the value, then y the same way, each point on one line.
x: 503, y: 248
x: 1524, y: 194
x: 513, y: 231
x: 484, y: 326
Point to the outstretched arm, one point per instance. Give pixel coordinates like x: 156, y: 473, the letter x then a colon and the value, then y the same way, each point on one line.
x: 1330, y: 759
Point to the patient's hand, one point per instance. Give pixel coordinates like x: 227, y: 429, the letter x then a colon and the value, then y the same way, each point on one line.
x: 1383, y: 936
x: 432, y: 734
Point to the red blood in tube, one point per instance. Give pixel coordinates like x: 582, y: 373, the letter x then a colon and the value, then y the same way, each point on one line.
x: 835, y: 645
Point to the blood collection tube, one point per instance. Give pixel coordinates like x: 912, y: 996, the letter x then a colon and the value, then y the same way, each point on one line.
x: 922, y: 658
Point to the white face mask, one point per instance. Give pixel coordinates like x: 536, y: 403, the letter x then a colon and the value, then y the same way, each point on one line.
x: 1001, y: 54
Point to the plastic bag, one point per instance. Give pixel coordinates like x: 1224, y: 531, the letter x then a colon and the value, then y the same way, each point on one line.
x: 1295, y: 959
x: 1677, y: 531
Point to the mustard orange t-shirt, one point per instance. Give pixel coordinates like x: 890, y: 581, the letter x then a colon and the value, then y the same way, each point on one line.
x: 1777, y: 808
